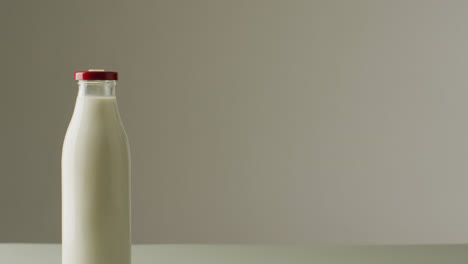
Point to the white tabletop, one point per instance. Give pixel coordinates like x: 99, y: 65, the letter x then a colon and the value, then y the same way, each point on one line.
x: 230, y: 254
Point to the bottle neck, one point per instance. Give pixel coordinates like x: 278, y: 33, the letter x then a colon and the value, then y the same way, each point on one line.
x: 96, y: 88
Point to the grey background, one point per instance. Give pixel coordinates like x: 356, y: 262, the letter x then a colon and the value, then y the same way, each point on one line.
x: 249, y: 121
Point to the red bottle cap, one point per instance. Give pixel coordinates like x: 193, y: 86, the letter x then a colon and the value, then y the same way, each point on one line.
x: 96, y: 75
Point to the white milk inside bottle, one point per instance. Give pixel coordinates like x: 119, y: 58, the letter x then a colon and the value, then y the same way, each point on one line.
x: 96, y: 177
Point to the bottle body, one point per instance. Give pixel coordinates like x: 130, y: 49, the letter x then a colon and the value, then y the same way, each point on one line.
x: 95, y: 182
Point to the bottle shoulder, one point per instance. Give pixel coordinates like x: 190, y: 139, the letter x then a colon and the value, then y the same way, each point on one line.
x: 96, y: 119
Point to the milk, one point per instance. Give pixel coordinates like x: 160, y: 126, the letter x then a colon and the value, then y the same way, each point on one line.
x: 95, y: 183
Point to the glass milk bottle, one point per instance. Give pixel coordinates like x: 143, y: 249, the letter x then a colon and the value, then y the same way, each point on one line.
x: 95, y: 176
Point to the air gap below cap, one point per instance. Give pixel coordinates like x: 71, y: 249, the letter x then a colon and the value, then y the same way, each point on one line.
x: 96, y: 75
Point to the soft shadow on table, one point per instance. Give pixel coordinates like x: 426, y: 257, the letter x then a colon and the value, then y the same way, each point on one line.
x: 250, y: 254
